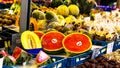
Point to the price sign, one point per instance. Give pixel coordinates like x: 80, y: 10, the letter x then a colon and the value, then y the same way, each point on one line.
x: 87, y: 19
x: 110, y: 47
x: 95, y: 53
x: 98, y: 17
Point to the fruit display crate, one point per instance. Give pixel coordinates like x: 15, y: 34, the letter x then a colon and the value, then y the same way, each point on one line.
x: 59, y: 62
x: 116, y: 45
x: 103, y: 43
x: 99, y: 42
x: 78, y: 59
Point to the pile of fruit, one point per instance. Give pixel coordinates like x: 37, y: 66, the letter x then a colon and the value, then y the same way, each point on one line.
x: 68, y: 19
x: 111, y: 60
x: 21, y: 57
x: 99, y: 62
x: 115, y: 56
x: 55, y: 42
x: 7, y: 19
x: 17, y: 58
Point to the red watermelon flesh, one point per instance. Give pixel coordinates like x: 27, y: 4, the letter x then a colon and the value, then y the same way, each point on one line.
x: 17, y: 52
x: 39, y: 33
x: 77, y: 43
x: 42, y: 57
x: 52, y: 41
x: 21, y: 56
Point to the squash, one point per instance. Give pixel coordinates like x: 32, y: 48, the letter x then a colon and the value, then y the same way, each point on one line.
x: 34, y: 22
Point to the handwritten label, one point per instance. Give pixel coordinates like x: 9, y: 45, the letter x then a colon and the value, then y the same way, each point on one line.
x: 110, y: 47
x: 87, y: 19
x: 95, y: 53
x: 98, y: 16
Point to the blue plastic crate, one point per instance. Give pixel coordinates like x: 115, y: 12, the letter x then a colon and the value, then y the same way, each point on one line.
x: 116, y: 45
x: 59, y: 62
x: 102, y: 50
x: 79, y: 59
x: 99, y: 42
x: 34, y: 52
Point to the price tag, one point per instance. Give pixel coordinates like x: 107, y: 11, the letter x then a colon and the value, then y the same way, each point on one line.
x: 95, y: 53
x: 110, y: 47
x: 98, y: 16
x: 87, y: 19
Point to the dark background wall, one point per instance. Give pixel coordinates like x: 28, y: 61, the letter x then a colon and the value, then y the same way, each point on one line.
x: 107, y: 2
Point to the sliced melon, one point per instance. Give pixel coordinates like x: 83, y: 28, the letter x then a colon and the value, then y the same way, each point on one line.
x: 9, y: 60
x: 52, y: 42
x: 39, y: 33
x: 41, y: 58
x: 77, y: 43
x: 21, y: 56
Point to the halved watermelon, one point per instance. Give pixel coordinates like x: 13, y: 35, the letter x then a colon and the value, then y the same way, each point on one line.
x: 77, y: 43
x: 52, y: 42
x: 39, y: 33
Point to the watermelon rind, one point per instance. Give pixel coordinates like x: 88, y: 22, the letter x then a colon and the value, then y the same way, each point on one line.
x: 37, y: 57
x: 39, y: 32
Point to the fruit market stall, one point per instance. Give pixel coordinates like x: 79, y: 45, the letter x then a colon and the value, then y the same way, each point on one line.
x: 60, y: 34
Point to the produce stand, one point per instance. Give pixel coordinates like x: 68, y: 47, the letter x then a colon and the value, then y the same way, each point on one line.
x: 43, y: 27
